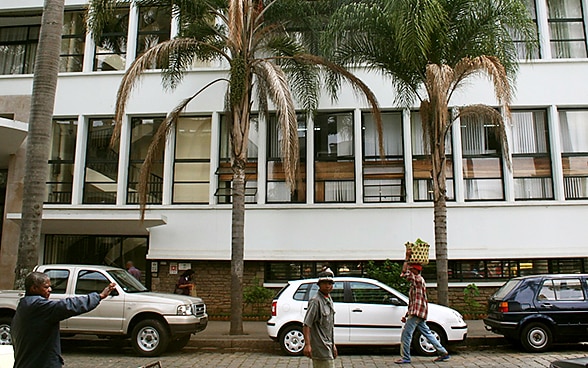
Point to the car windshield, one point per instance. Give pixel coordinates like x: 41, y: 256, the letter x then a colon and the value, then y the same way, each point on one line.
x: 127, y: 281
x: 506, y: 289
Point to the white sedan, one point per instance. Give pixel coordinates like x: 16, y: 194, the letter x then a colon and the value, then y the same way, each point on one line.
x: 367, y: 312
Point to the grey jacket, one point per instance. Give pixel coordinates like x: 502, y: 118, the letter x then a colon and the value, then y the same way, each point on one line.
x: 35, y: 328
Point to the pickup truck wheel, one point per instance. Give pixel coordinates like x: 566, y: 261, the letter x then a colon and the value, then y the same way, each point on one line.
x: 5, y: 336
x: 150, y: 338
x: 179, y: 343
x: 292, y: 340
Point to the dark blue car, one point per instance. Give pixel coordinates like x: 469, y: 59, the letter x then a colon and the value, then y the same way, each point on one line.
x: 537, y: 311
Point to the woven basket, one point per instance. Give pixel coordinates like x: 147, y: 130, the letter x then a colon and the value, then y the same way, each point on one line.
x: 420, y: 252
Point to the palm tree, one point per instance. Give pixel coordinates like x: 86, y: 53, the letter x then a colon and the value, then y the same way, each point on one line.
x: 38, y: 138
x: 429, y: 48
x: 266, y: 63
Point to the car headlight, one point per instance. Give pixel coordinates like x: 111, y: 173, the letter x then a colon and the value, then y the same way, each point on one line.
x: 184, y: 310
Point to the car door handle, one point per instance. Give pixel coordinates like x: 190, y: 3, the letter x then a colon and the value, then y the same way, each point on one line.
x: 357, y: 310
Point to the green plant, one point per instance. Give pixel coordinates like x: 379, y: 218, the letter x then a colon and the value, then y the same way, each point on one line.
x: 472, y: 306
x: 257, y: 296
x: 388, y: 272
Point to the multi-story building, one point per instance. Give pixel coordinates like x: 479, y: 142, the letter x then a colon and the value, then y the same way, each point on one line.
x: 348, y: 208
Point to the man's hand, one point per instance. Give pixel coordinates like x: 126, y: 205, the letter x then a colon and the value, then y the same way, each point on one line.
x: 307, y: 351
x: 107, y: 290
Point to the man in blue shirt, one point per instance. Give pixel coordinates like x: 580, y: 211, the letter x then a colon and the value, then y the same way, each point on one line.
x: 35, y: 327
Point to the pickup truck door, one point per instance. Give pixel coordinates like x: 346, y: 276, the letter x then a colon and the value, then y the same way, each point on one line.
x: 60, y: 279
x: 108, y: 316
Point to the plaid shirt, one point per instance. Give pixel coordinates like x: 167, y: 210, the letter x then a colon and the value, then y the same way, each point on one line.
x: 417, y: 296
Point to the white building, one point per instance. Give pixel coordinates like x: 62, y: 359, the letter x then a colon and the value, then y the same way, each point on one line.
x: 347, y: 209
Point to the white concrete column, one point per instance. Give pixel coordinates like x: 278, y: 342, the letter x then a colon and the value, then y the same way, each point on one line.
x: 124, y: 145
x: 358, y: 155
x: 407, y: 138
x: 543, y: 27
x: 555, y: 149
x: 80, y: 161
x: 457, y: 153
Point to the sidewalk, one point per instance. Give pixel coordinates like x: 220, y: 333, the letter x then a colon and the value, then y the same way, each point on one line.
x: 216, y: 336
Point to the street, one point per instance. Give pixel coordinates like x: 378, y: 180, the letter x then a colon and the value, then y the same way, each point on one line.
x: 97, y: 354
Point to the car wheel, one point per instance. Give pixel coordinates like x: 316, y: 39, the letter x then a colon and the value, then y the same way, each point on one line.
x: 150, y: 338
x: 5, y: 335
x: 422, y: 346
x: 292, y: 340
x: 536, y: 337
x: 179, y: 343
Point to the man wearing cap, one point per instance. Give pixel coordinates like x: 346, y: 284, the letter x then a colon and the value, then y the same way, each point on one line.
x: 319, y: 325
x: 416, y: 315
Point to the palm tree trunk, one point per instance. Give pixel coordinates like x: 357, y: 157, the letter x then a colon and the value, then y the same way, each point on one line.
x: 38, y: 139
x: 440, y: 219
x: 237, y: 247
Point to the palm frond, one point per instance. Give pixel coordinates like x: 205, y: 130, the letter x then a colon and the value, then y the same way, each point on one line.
x: 158, y: 140
x: 274, y: 80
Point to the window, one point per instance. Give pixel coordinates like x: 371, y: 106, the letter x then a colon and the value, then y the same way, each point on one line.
x: 225, y: 172
x: 421, y: 162
x: 482, y: 162
x: 154, y: 28
x: 73, y: 41
x: 101, y: 173
x: 574, y: 137
x: 362, y: 292
x: 192, y: 160
x: 337, y: 294
x: 530, y: 157
x: 566, y: 29
x: 18, y: 46
x: 61, y: 160
x: 562, y: 290
x: 383, y: 180
x: 520, y: 45
x: 90, y: 281
x: 278, y: 190
x: 334, y: 165
x: 111, y: 50
x: 96, y: 250
x: 142, y: 132
x: 58, y: 280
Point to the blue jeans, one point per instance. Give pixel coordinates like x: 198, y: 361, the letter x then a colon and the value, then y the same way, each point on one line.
x: 411, y: 324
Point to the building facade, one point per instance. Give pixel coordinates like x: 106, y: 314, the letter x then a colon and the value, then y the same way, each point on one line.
x: 348, y: 208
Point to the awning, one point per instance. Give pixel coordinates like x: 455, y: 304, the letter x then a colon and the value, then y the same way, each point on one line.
x: 12, y: 134
x: 95, y: 222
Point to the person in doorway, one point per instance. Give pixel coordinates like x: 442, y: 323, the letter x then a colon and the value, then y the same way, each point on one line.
x: 416, y: 316
x: 35, y: 327
x: 319, y: 325
x: 133, y: 270
x: 185, y: 285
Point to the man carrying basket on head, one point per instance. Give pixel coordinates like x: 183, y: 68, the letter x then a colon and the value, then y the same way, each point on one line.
x: 416, y: 316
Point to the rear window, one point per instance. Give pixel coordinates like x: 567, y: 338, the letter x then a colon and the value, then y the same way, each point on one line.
x: 506, y: 289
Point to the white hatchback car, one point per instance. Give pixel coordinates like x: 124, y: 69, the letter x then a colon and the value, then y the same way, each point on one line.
x: 367, y: 312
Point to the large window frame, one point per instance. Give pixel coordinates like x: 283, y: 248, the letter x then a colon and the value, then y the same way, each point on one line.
x: 73, y: 41
x: 101, y: 166
x: 334, y: 157
x: 143, y: 129
x: 277, y: 190
x: 567, y: 32
x: 383, y: 178
x: 110, y: 52
x: 531, y: 158
x: 574, y: 153
x: 19, y: 46
x: 422, y: 165
x: 61, y: 161
x: 483, y: 172
x: 224, y: 192
x: 191, y: 179
x: 153, y: 27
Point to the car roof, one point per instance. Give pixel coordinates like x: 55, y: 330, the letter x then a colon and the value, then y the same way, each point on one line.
x: 336, y: 279
x: 76, y: 266
x: 551, y: 276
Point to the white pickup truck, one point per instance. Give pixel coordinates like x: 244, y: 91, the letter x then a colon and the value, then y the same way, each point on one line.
x: 155, y: 322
